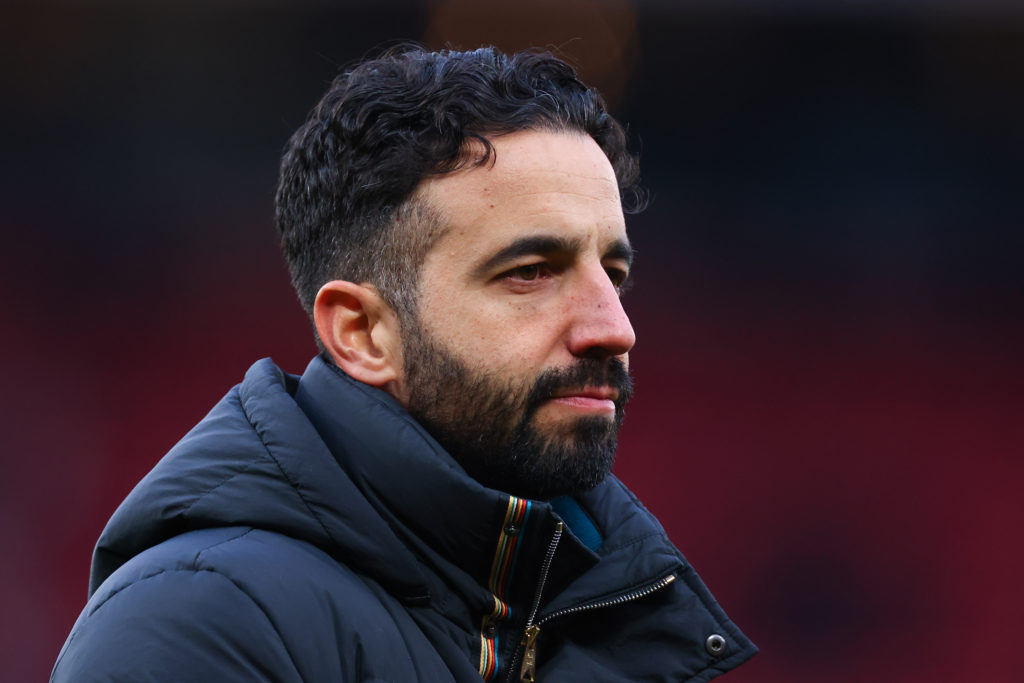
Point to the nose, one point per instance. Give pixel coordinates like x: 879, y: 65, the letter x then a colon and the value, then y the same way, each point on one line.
x: 600, y: 327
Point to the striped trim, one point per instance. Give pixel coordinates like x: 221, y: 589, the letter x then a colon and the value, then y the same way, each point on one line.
x: 489, y: 646
x: 502, y: 568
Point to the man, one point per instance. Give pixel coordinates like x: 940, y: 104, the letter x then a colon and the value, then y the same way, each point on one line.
x: 431, y: 499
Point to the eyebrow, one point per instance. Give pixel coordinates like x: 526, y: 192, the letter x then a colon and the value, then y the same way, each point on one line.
x: 621, y: 249
x: 550, y: 244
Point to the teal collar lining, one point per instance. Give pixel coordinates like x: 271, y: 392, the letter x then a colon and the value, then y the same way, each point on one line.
x: 578, y: 521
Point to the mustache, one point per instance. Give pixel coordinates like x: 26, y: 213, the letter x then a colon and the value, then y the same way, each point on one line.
x: 584, y: 372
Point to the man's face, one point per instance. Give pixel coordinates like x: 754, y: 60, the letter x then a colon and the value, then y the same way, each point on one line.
x: 517, y: 359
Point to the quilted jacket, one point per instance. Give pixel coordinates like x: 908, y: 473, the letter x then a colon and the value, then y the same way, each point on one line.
x: 308, y: 529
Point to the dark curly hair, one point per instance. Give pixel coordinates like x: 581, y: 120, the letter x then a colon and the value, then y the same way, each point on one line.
x: 345, y: 207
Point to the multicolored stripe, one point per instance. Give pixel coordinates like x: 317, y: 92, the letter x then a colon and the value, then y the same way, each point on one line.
x: 502, y: 568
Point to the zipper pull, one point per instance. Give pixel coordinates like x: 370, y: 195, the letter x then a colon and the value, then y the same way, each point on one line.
x: 529, y: 670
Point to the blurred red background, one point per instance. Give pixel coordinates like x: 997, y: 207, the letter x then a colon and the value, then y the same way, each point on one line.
x: 829, y: 417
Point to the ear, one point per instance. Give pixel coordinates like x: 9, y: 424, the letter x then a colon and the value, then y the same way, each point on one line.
x: 360, y: 331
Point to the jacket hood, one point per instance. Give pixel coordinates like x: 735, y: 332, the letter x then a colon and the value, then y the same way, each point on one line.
x: 256, y: 460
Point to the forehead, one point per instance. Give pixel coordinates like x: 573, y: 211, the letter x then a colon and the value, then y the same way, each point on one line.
x: 539, y: 182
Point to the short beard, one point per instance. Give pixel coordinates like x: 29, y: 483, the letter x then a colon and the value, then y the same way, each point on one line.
x: 486, y: 422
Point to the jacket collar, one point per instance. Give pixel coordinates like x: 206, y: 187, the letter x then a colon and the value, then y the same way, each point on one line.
x: 451, y: 520
x: 412, y: 482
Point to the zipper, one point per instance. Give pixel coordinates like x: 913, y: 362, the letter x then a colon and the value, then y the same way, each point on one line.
x: 528, y: 672
x: 530, y: 652
x: 617, y: 600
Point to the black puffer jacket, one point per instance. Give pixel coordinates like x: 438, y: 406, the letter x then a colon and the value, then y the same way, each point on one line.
x: 310, y: 530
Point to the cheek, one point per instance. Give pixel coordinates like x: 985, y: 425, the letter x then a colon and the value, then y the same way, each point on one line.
x: 519, y: 344
x: 501, y: 349
x: 498, y: 335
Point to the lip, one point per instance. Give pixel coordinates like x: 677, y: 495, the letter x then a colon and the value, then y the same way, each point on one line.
x: 587, y: 399
x: 599, y: 393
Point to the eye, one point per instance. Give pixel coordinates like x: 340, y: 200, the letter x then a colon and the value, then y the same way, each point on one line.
x: 527, y: 273
x: 619, y: 277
